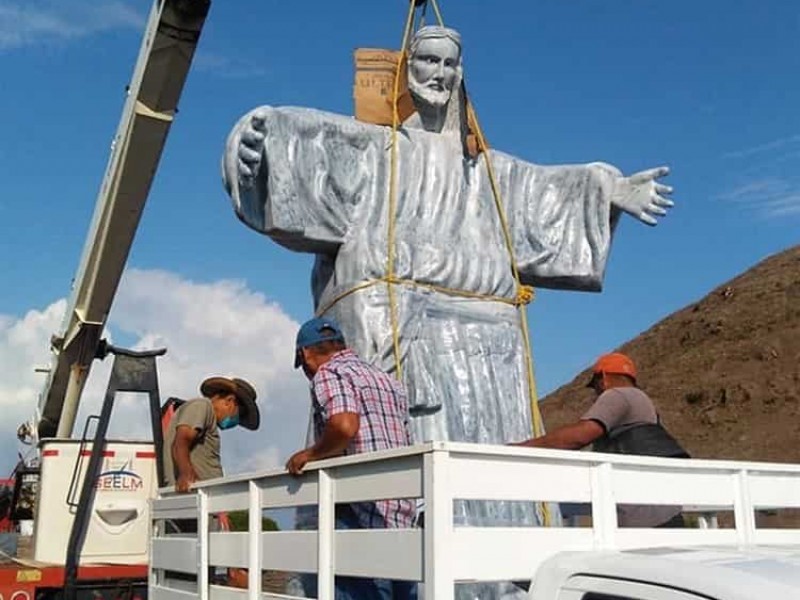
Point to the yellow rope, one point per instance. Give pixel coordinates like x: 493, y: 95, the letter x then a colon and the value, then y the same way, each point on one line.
x: 393, y: 195
x: 482, y: 146
x: 534, y: 400
x: 524, y: 293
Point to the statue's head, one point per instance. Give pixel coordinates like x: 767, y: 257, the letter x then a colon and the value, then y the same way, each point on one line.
x: 434, y: 65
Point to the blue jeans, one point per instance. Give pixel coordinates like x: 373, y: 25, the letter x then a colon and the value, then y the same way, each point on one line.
x: 358, y: 588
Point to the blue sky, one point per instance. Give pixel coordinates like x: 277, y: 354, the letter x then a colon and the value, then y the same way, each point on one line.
x: 709, y: 88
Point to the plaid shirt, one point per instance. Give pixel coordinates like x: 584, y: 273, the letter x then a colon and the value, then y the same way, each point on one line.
x: 348, y: 384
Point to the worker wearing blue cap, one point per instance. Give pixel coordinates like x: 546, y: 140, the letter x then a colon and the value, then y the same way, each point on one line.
x: 357, y: 408
x: 313, y: 332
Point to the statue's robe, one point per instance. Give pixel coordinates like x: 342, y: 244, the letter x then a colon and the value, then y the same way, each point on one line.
x: 323, y: 187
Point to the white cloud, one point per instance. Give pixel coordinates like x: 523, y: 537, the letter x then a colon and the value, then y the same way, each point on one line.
x: 227, y: 67
x: 768, y: 181
x: 23, y: 23
x: 27, y: 24
x: 771, y: 197
x: 750, y: 189
x: 767, y: 147
x: 24, y: 345
x: 212, y: 328
x: 267, y: 459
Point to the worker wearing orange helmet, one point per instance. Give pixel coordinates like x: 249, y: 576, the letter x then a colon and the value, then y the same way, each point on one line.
x: 622, y: 420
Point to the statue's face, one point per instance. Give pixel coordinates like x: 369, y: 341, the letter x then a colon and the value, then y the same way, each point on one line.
x: 433, y: 70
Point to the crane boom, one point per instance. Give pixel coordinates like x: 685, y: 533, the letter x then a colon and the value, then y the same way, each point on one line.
x: 171, y: 35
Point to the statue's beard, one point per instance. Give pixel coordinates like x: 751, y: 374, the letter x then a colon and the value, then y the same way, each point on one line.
x: 435, y: 99
x: 438, y: 110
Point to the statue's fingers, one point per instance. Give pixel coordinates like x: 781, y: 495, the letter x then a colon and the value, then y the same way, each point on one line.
x: 258, y: 122
x: 252, y: 138
x: 663, y: 189
x: 654, y: 209
x: 245, y: 169
x: 649, y: 174
x: 647, y: 219
x: 661, y: 201
x: 249, y: 155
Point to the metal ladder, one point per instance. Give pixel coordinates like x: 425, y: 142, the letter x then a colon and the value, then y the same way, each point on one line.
x: 132, y: 371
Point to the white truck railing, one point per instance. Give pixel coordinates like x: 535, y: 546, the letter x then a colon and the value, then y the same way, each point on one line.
x: 441, y: 554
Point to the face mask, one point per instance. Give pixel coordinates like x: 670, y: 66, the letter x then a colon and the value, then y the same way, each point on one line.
x: 229, y: 422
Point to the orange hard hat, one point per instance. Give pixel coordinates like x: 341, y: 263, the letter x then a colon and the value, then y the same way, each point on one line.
x: 614, y: 363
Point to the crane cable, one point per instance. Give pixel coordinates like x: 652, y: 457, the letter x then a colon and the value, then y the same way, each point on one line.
x: 393, y: 193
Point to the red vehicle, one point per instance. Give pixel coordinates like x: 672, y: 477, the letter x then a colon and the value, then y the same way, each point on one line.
x: 7, y: 525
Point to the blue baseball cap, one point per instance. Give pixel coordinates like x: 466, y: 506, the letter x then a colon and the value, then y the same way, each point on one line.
x: 311, y: 333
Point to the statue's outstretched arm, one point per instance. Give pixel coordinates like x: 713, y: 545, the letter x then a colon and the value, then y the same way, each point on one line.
x: 296, y: 174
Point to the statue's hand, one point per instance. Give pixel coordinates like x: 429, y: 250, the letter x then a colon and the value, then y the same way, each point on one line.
x: 251, y: 140
x: 641, y: 196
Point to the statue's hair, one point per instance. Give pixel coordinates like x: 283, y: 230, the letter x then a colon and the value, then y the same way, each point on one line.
x: 434, y: 32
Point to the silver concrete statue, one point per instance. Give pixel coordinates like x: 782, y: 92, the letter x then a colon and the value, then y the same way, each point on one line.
x: 319, y: 182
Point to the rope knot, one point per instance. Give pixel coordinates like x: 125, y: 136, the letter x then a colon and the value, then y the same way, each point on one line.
x: 525, y: 294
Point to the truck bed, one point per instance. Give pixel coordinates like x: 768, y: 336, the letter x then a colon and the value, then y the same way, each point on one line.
x: 442, y: 554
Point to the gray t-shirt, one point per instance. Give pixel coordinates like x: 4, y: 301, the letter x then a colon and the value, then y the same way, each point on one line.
x: 621, y: 406
x: 625, y: 406
x: 204, y: 455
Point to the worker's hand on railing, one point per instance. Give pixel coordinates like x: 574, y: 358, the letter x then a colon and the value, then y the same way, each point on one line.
x: 522, y: 444
x: 184, y: 482
x: 298, y: 460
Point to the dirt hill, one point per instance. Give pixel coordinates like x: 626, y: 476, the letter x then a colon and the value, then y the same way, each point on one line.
x: 724, y: 372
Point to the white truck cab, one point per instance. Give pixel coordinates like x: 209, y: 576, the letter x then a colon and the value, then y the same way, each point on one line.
x: 699, y: 573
